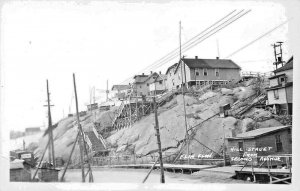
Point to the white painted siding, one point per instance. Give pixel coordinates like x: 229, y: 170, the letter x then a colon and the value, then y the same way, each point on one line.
x: 281, y: 96
x: 288, y: 73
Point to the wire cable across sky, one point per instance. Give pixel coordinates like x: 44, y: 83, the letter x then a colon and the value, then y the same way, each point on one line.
x: 214, y: 28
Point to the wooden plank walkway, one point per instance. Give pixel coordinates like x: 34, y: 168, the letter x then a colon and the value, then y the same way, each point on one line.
x: 274, y: 175
x: 167, y: 167
x: 225, y: 169
x: 265, y: 171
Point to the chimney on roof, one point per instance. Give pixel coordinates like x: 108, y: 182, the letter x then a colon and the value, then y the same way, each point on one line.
x: 142, y: 73
x: 217, y: 57
x: 151, y: 72
x: 196, y: 57
x: 159, y: 72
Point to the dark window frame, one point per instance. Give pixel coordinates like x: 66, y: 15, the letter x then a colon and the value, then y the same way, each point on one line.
x: 205, y: 73
x: 278, y: 143
x: 241, y: 146
x: 217, y: 72
x: 276, y: 94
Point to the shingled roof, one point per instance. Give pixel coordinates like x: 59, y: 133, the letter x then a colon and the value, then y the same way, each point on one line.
x: 287, y: 66
x: 259, y: 132
x: 210, y: 63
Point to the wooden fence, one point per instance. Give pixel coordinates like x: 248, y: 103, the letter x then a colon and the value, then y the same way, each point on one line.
x: 130, y: 159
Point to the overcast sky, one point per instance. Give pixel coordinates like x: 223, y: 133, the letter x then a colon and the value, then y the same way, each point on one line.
x: 114, y: 40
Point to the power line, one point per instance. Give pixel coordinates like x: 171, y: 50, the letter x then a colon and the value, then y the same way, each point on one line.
x: 253, y: 41
x: 176, y: 50
x: 199, y: 40
x: 158, y: 61
x: 194, y: 43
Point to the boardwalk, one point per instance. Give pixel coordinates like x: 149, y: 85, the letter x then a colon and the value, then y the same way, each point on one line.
x: 187, y: 169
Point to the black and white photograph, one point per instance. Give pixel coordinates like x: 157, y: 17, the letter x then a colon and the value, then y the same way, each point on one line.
x: 173, y: 95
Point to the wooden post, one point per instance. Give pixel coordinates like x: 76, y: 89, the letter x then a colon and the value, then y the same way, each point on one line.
x: 81, y: 133
x: 143, y: 109
x: 150, y: 170
x: 41, y: 159
x: 136, y: 109
x: 185, y: 121
x: 224, y: 149
x: 82, y: 142
x: 183, y: 66
x: 162, y: 177
x: 129, y: 112
x: 69, y: 159
x: 50, y: 128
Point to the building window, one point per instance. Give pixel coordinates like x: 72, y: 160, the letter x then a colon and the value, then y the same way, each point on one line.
x: 205, y: 71
x: 173, y: 82
x: 276, y: 95
x: 160, y: 82
x: 278, y: 143
x: 281, y: 80
x: 147, y: 84
x: 197, y: 72
x: 241, y: 149
x: 217, y: 72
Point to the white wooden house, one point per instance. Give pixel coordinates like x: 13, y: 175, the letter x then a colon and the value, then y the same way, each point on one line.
x: 280, y: 91
x: 202, y: 71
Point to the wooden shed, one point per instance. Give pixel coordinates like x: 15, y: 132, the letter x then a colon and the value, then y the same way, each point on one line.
x: 254, y: 146
x: 20, y: 171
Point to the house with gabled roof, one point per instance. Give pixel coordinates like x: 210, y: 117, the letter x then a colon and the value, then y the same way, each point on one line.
x: 280, y: 90
x: 139, y: 86
x: 142, y: 83
x: 198, y: 71
x: 158, y: 85
x: 120, y: 92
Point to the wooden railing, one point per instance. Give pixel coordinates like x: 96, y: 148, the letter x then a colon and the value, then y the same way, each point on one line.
x: 99, y: 136
x: 120, y: 109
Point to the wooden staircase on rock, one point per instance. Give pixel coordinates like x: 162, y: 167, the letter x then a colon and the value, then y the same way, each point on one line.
x: 95, y: 141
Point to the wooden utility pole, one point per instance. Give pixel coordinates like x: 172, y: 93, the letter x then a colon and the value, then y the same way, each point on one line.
x: 24, y: 145
x: 162, y: 175
x: 82, y: 143
x: 182, y: 91
x: 50, y: 130
x: 143, y: 109
x: 136, y: 108
x: 107, y: 91
x: 130, y: 111
x: 81, y: 134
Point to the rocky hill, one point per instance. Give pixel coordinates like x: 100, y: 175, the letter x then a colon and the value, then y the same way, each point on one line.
x: 203, y: 120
